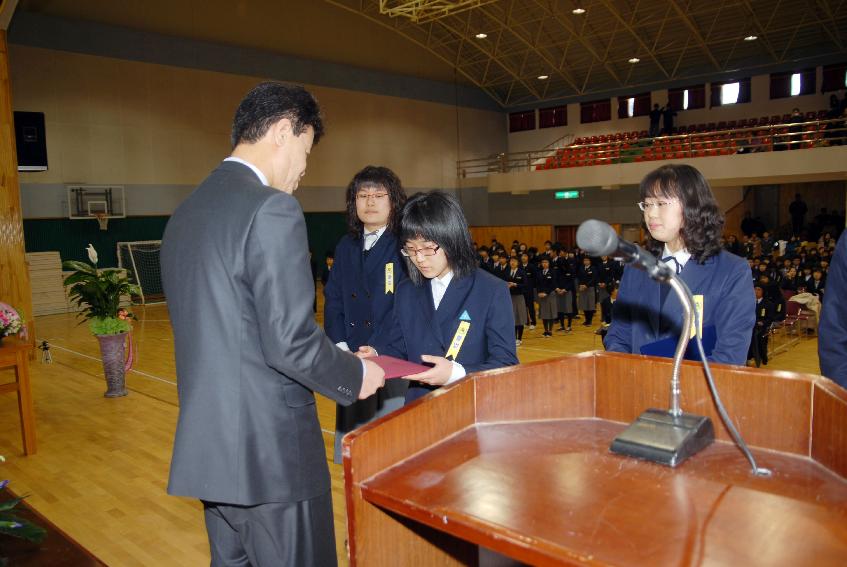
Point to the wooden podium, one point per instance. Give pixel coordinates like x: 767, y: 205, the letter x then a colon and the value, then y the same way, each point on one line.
x: 516, y: 461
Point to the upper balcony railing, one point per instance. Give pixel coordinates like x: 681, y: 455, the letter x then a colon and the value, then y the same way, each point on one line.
x: 624, y: 148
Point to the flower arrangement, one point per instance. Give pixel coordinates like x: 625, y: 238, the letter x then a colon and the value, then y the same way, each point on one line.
x: 11, y: 321
x: 12, y: 525
x: 98, y: 293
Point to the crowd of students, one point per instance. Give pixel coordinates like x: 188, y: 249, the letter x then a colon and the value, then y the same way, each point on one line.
x: 553, y: 284
x: 793, y: 270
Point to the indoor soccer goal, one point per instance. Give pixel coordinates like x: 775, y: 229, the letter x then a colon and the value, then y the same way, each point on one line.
x: 141, y: 260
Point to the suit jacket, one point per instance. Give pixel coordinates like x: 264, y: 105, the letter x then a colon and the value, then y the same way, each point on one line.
x: 357, y: 303
x: 729, y: 304
x: 235, y: 270
x: 421, y: 329
x: 832, y: 339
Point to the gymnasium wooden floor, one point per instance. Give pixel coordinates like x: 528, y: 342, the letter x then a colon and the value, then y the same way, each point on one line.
x: 102, y: 465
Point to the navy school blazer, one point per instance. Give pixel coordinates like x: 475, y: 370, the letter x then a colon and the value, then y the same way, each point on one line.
x: 418, y: 328
x: 729, y: 304
x: 356, y: 301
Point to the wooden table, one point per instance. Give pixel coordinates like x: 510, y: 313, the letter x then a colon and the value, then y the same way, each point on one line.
x: 517, y: 461
x: 15, y: 353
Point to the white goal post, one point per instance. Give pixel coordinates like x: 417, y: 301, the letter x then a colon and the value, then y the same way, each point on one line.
x: 141, y: 260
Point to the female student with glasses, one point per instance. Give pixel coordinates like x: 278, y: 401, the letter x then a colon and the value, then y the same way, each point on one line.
x: 449, y: 314
x: 685, y: 226
x: 359, y: 293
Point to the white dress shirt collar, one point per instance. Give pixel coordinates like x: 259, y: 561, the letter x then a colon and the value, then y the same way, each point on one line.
x: 681, y: 256
x: 370, y: 238
x: 255, y: 169
x: 439, y: 287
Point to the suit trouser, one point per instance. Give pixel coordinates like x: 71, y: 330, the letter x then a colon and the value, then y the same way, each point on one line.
x: 291, y: 534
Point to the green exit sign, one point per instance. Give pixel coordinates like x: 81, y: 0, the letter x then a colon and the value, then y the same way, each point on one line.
x: 567, y: 194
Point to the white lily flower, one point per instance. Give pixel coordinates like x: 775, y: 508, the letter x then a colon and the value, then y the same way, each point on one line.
x: 92, y: 253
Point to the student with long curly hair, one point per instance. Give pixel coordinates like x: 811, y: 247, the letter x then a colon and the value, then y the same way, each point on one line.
x: 359, y: 293
x: 685, y: 226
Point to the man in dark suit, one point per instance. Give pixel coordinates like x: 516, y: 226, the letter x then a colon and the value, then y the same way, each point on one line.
x: 248, y: 351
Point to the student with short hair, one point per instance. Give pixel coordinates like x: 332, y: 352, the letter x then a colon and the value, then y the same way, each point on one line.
x: 449, y: 313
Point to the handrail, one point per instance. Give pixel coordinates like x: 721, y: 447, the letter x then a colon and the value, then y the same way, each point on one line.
x: 750, y: 139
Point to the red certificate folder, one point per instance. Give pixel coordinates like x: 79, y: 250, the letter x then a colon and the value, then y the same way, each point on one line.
x: 396, y: 367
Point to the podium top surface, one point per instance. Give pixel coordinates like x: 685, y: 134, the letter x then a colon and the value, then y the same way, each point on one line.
x: 549, y: 492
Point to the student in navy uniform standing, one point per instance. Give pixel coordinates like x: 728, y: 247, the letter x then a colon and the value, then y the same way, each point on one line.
x: 531, y: 272
x: 516, y: 281
x: 685, y: 224
x: 359, y: 294
x: 547, y: 299
x: 587, y: 291
x: 449, y: 313
x: 564, y: 290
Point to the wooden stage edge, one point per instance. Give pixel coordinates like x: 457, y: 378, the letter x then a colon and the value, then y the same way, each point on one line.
x: 516, y: 460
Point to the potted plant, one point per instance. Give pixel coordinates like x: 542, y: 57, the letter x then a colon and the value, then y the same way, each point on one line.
x: 11, y: 321
x: 98, y: 294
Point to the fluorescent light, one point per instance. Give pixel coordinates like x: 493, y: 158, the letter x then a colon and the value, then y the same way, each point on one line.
x: 634, y: 60
x: 578, y: 11
x: 543, y: 77
x: 751, y: 37
x: 481, y: 35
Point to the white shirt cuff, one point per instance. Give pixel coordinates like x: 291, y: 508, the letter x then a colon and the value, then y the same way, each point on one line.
x: 343, y: 346
x: 457, y: 373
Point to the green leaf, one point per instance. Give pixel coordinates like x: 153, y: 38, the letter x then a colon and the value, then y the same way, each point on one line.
x: 69, y: 265
x: 9, y: 504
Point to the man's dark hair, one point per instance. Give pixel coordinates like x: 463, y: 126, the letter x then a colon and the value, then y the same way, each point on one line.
x: 703, y: 220
x: 270, y: 102
x: 438, y: 217
x: 375, y: 177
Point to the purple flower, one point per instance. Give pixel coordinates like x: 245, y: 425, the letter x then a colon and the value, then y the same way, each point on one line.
x: 3, y: 484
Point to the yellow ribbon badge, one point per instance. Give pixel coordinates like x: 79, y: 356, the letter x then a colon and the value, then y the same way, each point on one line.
x: 458, y: 339
x: 389, y: 277
x: 698, y: 308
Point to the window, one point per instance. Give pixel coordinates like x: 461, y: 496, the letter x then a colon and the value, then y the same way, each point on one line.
x: 595, y: 111
x: 687, y: 98
x: 834, y: 77
x: 730, y: 92
x: 521, y: 121
x: 634, y: 105
x: 552, y: 117
x: 793, y: 83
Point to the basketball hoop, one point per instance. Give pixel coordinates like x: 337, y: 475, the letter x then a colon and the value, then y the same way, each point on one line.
x: 102, y: 220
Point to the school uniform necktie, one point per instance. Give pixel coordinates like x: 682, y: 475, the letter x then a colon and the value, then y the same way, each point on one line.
x: 676, y: 265
x: 370, y: 240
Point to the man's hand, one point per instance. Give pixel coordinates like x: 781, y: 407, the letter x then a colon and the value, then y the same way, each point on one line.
x: 437, y: 375
x: 374, y: 380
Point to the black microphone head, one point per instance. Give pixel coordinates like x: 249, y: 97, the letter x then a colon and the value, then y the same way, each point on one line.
x: 597, y: 238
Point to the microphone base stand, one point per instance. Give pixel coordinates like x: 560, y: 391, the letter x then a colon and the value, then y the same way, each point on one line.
x: 669, y: 437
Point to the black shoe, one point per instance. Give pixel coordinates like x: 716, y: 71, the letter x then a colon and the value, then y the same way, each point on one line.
x: 560, y: 329
x: 586, y: 324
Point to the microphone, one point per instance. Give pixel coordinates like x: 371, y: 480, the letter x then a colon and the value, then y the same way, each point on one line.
x: 597, y: 238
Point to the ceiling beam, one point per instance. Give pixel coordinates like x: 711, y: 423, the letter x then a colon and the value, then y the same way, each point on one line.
x: 689, y: 23
x: 612, y: 10
x: 760, y: 30
x: 581, y: 39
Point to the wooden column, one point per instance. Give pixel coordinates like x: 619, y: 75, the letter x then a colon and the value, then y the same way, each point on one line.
x: 14, y: 276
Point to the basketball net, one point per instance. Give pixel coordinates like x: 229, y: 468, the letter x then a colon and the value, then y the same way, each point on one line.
x: 102, y: 220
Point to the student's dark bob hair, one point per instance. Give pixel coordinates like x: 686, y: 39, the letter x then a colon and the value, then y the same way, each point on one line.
x: 437, y: 217
x: 375, y: 177
x: 702, y: 220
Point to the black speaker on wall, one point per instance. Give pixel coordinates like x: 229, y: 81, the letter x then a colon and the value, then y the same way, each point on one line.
x: 31, y: 141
